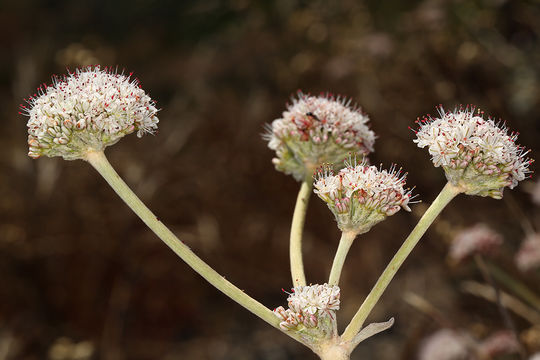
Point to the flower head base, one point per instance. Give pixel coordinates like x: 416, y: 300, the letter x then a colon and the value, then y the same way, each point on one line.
x: 361, y: 196
x: 316, y: 130
x: 311, y: 311
x: 87, y: 110
x: 476, y: 154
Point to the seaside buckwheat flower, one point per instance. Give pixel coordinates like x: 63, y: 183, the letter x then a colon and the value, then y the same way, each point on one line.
x: 87, y: 110
x: 361, y: 196
x: 445, y: 344
x: 528, y: 255
x: 312, y: 311
x: 478, y: 239
x: 476, y: 154
x: 316, y: 130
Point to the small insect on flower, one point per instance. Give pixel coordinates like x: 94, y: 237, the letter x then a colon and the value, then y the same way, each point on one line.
x: 86, y: 110
x: 316, y: 130
x: 361, y: 196
x: 476, y: 154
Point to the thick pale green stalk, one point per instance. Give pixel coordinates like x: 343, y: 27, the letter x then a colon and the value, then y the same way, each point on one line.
x: 297, y: 227
x: 102, y: 165
x: 347, y: 238
x: 447, y: 194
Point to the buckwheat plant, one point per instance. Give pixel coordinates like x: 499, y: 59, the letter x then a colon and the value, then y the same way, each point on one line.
x: 84, y: 112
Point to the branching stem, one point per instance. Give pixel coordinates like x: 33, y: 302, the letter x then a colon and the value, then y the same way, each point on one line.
x: 446, y: 195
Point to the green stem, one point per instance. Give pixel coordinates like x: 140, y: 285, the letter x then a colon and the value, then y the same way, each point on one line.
x: 297, y: 226
x: 447, y: 194
x: 347, y: 238
x: 98, y: 160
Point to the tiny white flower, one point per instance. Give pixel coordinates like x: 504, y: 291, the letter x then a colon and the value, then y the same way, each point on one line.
x: 361, y: 196
x: 87, y: 110
x: 316, y: 130
x: 475, y: 153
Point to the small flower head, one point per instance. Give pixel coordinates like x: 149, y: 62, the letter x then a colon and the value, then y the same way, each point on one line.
x: 316, y: 130
x: 87, y: 110
x: 478, y: 239
x: 360, y: 196
x: 528, y: 255
x: 476, y: 154
x: 311, y: 311
x: 445, y: 344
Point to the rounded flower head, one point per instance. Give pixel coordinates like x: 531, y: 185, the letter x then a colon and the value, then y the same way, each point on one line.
x: 316, y: 130
x: 360, y: 196
x: 311, y: 310
x: 87, y: 110
x: 476, y: 154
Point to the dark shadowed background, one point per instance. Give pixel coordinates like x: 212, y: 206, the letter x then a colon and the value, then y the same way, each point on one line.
x: 81, y: 277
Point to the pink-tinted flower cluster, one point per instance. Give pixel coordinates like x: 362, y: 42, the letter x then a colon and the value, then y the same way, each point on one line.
x: 316, y: 130
x: 308, y: 306
x: 87, y: 110
x: 476, y: 153
x: 478, y: 239
x: 360, y: 196
x: 447, y: 344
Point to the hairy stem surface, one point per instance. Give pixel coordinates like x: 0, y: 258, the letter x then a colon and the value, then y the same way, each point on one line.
x: 297, y: 227
x: 347, y: 239
x: 446, y: 195
x: 102, y: 165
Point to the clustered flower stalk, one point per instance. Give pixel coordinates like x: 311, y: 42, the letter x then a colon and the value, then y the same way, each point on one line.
x: 78, y: 116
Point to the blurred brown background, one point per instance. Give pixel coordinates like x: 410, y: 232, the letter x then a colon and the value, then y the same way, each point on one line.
x: 82, y: 278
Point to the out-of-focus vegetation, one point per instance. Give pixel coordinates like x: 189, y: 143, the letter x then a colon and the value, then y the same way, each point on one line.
x: 81, y: 276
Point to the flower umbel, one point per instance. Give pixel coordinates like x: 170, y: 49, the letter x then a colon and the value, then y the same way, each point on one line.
x: 312, y: 311
x: 87, y: 110
x: 316, y: 130
x: 476, y: 154
x: 361, y: 196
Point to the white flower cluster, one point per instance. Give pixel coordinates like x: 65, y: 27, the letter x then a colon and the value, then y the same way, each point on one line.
x: 308, y: 305
x: 89, y: 109
x: 475, y: 153
x: 360, y: 196
x: 316, y: 130
x: 478, y: 239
